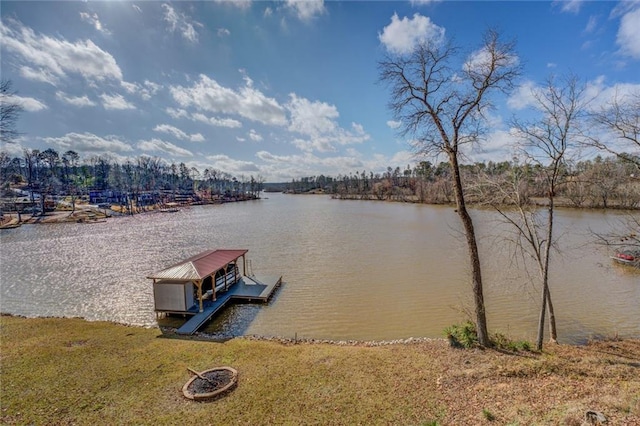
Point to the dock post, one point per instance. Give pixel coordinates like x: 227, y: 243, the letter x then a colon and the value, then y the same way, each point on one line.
x: 199, y: 285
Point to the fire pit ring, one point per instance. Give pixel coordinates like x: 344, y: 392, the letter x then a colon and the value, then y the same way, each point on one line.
x: 211, y: 383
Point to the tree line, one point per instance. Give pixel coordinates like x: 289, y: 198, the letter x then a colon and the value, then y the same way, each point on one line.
x: 601, y: 182
x: 49, y: 173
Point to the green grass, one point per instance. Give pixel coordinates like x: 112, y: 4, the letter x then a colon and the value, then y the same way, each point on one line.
x: 69, y: 371
x: 465, y: 336
x: 462, y: 335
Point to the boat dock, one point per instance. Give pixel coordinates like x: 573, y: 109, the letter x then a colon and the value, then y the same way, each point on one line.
x: 203, y: 284
x: 246, y: 289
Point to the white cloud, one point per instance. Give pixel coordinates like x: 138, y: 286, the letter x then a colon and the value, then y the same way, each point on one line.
x: 115, y: 102
x: 523, y: 96
x: 240, y: 4
x: 401, y: 36
x: 181, y: 22
x: 177, y: 113
x: 316, y: 144
x: 239, y: 139
x: 88, y: 142
x: 28, y: 104
x: 268, y: 12
x: 499, y: 145
x: 196, y: 137
x: 222, y: 32
x: 481, y: 61
x: 230, y: 165
x: 569, y: 6
x: 311, y: 118
x: 41, y: 75
x: 306, y: 10
x: 247, y: 102
x: 254, y: 136
x: 52, y: 58
x: 145, y: 90
x: 282, y: 167
x: 317, y: 121
x: 394, y: 124
x: 136, y: 8
x: 94, y: 21
x: 177, y: 133
x: 79, y: 101
x: 597, y: 94
x: 159, y: 145
x: 591, y: 24
x: 628, y: 37
x: 197, y: 116
x: 216, y: 121
x: 14, y: 148
x: 171, y: 130
x: 602, y: 95
x: 423, y: 2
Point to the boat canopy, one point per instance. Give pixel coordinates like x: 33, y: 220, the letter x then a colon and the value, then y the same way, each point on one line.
x: 199, y: 266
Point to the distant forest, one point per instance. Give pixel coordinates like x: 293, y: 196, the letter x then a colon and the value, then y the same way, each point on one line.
x: 611, y: 182
x: 52, y: 174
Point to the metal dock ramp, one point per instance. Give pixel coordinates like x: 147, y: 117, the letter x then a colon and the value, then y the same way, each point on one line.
x: 198, y: 320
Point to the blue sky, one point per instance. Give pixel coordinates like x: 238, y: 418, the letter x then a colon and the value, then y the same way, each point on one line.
x: 277, y: 89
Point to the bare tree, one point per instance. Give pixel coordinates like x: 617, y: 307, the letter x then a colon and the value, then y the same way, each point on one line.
x: 9, y: 112
x: 620, y: 117
x: 443, y: 107
x: 550, y: 140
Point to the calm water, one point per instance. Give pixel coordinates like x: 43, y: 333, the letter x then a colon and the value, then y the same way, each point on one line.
x: 352, y: 270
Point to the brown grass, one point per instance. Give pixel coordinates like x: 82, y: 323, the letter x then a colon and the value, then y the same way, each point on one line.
x: 69, y: 371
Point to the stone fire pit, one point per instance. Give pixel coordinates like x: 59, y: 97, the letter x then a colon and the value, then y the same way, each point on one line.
x: 211, y: 383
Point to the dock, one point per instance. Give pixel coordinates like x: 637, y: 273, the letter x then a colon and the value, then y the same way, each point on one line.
x: 250, y: 289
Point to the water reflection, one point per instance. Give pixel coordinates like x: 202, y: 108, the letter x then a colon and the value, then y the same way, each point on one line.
x: 352, y: 270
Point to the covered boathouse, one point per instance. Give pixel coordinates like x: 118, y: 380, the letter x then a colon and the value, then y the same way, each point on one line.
x: 202, y: 285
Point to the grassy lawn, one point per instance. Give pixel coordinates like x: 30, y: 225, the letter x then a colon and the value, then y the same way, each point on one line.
x: 69, y: 371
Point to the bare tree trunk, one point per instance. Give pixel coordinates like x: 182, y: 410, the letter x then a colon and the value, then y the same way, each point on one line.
x: 546, y: 293
x: 474, y: 256
x: 543, y: 314
x: 553, y: 338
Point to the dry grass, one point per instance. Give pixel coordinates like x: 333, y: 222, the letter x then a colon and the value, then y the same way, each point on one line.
x: 68, y: 371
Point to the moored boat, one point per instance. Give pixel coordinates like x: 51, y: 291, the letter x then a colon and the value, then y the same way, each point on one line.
x: 630, y: 257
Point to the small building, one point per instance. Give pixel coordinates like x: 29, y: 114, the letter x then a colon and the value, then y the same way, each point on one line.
x: 183, y: 287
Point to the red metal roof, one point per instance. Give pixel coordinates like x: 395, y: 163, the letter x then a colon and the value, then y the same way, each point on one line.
x: 199, y: 266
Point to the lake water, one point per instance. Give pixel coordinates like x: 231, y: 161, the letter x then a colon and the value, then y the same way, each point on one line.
x: 361, y: 270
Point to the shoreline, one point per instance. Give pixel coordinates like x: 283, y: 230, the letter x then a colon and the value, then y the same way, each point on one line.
x: 80, y: 372
x: 169, y: 333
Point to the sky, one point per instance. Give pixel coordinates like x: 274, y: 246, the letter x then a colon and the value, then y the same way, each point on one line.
x: 278, y: 90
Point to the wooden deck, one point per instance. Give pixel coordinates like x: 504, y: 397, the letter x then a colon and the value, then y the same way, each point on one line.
x: 247, y: 288
x: 255, y: 288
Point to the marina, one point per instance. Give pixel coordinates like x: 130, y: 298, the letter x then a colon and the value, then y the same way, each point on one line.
x: 203, y: 284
